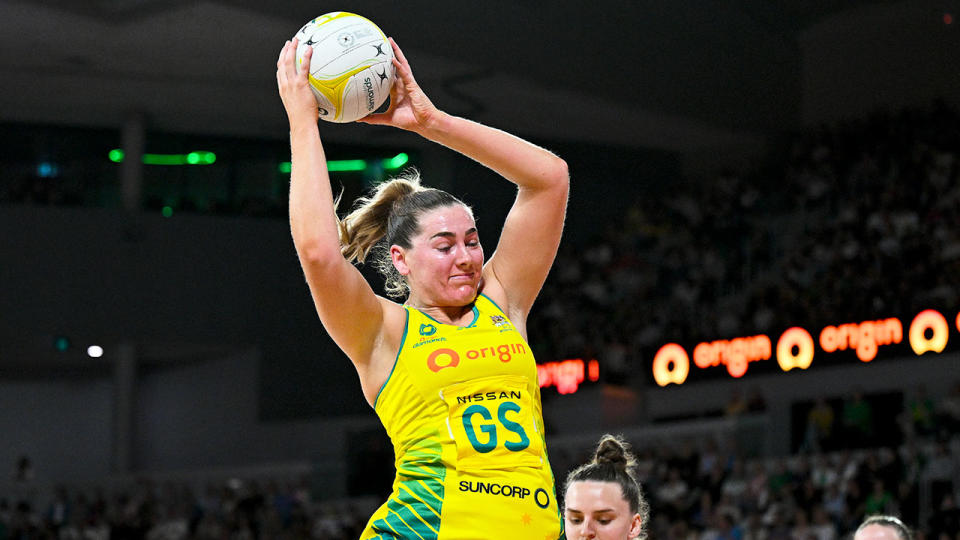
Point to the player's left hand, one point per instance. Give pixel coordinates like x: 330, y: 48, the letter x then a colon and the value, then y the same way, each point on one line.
x: 410, y: 108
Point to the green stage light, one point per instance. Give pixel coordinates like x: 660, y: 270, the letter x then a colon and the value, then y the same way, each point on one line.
x: 164, y: 159
x: 354, y: 165
x: 61, y: 343
x: 199, y: 157
x: 396, y: 161
x: 345, y: 165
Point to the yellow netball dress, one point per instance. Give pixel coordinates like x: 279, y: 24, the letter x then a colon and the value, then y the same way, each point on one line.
x: 462, y: 407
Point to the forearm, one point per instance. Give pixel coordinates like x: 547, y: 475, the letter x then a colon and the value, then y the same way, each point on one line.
x: 312, y: 218
x: 523, y: 163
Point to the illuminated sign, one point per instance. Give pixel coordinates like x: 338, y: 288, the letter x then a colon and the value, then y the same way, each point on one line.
x: 864, y: 337
x: 567, y: 375
x: 735, y: 353
x: 929, y: 322
x: 671, y: 365
x: 796, y: 348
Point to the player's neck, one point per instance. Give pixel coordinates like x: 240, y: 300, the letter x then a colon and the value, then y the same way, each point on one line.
x: 455, y: 315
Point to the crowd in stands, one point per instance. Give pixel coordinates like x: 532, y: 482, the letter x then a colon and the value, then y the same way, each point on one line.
x: 698, y: 487
x: 858, y: 221
x: 233, y: 509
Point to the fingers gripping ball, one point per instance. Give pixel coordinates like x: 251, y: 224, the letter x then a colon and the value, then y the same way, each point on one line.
x: 351, y: 70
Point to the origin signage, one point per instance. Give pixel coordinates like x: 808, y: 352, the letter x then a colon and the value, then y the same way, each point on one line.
x: 566, y: 375
x: 796, y: 347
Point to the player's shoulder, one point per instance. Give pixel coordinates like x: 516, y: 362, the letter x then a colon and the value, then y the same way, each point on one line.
x: 492, y: 290
x: 394, y: 318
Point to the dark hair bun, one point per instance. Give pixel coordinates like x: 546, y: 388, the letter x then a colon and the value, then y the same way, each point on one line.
x: 613, y: 451
x: 613, y: 462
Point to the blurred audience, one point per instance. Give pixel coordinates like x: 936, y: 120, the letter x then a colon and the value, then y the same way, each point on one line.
x: 700, y: 487
x: 820, y: 238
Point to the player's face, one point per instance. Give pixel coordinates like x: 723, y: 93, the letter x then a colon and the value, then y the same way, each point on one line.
x: 876, y: 532
x: 444, y: 263
x: 597, y: 510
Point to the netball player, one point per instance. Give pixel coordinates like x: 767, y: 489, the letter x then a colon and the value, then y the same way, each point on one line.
x: 446, y: 364
x: 881, y: 527
x: 602, y: 499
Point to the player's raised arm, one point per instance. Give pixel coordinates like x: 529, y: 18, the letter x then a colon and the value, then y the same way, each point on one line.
x: 531, y: 233
x: 349, y: 309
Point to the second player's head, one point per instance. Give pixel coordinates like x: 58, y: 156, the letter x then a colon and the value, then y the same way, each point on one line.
x: 881, y: 527
x: 603, y: 499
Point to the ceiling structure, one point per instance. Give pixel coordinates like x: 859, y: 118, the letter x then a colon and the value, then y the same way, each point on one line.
x: 670, y: 75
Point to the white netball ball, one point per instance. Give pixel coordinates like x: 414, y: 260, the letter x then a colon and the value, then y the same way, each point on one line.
x: 351, y: 70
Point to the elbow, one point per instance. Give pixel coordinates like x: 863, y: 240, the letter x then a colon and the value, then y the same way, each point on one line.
x: 552, y: 179
x: 315, y: 255
x: 559, y: 175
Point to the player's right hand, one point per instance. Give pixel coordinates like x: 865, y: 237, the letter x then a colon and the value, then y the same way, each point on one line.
x: 294, y: 85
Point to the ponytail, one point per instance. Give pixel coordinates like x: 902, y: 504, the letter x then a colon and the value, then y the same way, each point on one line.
x: 389, y: 216
x: 366, y: 224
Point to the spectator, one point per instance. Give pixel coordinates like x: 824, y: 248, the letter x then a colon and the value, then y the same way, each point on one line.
x: 727, y: 527
x: 920, y: 411
x: 819, y: 426
x: 756, y: 403
x: 857, y: 421
x: 880, y: 501
x: 24, y: 485
x: 802, y: 530
x: 835, y: 503
x: 735, y: 484
x: 940, y: 471
x: 948, y: 410
x: 673, y: 494
x: 823, y: 528
x: 736, y: 405
x: 945, y: 522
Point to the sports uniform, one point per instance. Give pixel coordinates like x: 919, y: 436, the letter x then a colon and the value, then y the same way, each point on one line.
x: 462, y: 407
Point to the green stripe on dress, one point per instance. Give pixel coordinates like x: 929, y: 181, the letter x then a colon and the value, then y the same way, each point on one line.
x: 423, y: 496
x: 413, y: 516
x: 415, y: 509
x: 397, y: 523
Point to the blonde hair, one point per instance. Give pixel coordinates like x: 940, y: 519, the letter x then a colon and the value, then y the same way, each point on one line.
x: 389, y: 216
